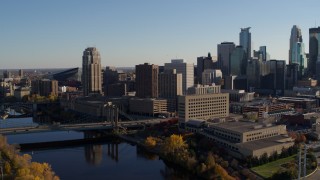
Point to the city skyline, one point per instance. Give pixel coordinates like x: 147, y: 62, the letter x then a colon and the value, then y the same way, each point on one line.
x: 53, y: 34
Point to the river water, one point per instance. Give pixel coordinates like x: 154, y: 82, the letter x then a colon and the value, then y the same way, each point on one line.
x: 109, y: 160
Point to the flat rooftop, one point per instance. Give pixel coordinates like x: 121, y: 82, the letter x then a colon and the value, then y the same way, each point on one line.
x: 295, y: 99
x: 242, y: 126
x: 264, y: 143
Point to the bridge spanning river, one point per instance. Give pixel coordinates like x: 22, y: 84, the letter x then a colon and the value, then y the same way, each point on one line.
x: 107, y: 125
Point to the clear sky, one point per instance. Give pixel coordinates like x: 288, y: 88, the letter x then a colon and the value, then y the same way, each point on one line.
x: 54, y: 33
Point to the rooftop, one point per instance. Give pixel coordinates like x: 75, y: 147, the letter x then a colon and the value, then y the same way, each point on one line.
x: 242, y: 127
x: 264, y: 143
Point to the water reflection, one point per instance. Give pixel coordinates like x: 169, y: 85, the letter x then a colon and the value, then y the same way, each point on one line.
x: 93, y: 154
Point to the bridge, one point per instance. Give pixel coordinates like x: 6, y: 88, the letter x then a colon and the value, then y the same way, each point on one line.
x: 107, y: 125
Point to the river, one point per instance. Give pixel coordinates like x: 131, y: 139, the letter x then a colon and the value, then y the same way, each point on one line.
x: 109, y: 160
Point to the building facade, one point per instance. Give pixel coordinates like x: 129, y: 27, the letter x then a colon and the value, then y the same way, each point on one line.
x: 91, y: 71
x: 314, y: 42
x: 170, y: 87
x: 225, y: 50
x: 204, y: 106
x: 186, y: 69
x: 147, y: 80
x: 238, y: 61
x: 245, y: 40
x: 211, y: 76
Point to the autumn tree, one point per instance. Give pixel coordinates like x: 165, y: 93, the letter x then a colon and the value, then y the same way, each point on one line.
x: 150, y: 142
x: 174, y: 144
x: 20, y: 167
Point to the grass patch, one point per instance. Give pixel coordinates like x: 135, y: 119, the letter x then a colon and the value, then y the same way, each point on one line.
x: 267, y: 170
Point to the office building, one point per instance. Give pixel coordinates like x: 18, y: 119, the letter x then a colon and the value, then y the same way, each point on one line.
x: 184, y: 68
x: 253, y: 74
x: 45, y: 87
x: 296, y: 52
x: 91, y: 71
x: 238, y: 95
x: 245, y: 41
x: 243, y: 139
x: 238, y: 62
x: 225, y: 50
x: 278, y: 69
x: 20, y: 73
x: 204, y: 89
x: 292, y: 75
x: 314, y: 44
x: 170, y: 87
x: 202, y: 64
x: 211, y: 76
x: 203, y: 106
x: 262, y: 53
x: 7, y: 74
x: 110, y: 77
x: 148, y: 106
x: 147, y: 80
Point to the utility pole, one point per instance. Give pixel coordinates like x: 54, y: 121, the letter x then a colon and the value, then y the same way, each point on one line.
x: 1, y: 164
x: 305, y: 161
x: 299, y: 164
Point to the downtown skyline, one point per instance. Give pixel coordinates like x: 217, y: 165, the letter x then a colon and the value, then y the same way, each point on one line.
x: 40, y: 34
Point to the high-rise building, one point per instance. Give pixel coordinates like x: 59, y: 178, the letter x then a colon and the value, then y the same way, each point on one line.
x: 278, y: 69
x: 292, y: 75
x: 45, y: 87
x: 262, y: 53
x: 296, y: 51
x: 7, y: 74
x: 110, y: 77
x: 225, y: 50
x: 238, y: 62
x: 202, y: 64
x: 253, y: 74
x: 147, y: 80
x: 91, y: 71
x: 170, y: 87
x: 245, y: 40
x: 314, y: 44
x: 186, y: 69
x: 20, y: 73
x: 210, y: 76
x: 295, y: 37
x: 213, y: 105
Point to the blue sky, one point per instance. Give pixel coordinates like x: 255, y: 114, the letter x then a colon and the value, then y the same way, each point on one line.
x: 53, y: 34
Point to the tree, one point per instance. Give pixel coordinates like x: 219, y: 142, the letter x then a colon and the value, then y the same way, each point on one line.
x: 150, y: 142
x: 174, y: 144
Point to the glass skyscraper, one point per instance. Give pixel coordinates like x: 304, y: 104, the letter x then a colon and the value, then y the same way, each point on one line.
x: 296, y: 52
x: 314, y: 35
x: 245, y: 40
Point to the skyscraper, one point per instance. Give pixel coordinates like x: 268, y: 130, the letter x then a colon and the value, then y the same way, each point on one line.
x: 295, y: 37
x: 91, y: 71
x: 238, y: 62
x: 245, y: 40
x: 147, y: 80
x: 314, y: 37
x: 170, y: 87
x: 296, y: 51
x: 225, y: 50
x: 186, y: 69
x: 262, y: 53
x: 202, y: 64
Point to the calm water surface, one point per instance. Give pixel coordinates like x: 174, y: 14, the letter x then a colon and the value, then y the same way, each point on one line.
x: 109, y: 160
